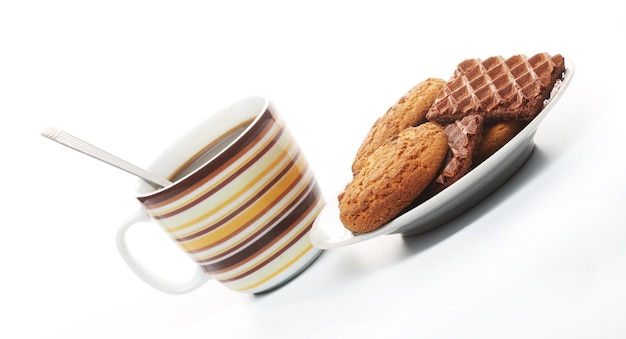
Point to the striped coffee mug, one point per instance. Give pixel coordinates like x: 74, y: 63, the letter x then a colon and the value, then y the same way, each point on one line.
x: 241, y: 203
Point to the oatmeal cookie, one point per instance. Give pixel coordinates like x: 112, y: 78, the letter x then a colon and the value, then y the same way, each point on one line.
x: 392, y: 177
x: 409, y: 111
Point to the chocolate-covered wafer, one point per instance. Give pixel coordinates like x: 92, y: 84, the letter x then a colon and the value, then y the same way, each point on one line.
x: 463, y: 136
x: 498, y: 88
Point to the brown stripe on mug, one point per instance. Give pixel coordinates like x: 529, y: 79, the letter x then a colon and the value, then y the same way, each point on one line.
x: 303, y: 198
x: 284, y: 227
x: 218, y: 223
x: 282, y: 250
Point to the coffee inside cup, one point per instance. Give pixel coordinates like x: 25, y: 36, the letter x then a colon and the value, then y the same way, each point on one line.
x: 209, y: 151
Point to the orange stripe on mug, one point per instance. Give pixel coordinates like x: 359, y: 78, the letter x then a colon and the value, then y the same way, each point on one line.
x: 290, y: 178
x: 229, y: 201
x: 308, y: 196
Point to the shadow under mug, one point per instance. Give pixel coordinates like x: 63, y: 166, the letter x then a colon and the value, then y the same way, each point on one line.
x: 241, y: 204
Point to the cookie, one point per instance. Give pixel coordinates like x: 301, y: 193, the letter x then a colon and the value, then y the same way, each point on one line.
x: 498, y: 88
x: 409, y: 111
x: 392, y: 177
x: 495, y: 136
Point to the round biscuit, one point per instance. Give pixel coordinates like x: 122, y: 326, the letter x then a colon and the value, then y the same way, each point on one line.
x: 494, y: 137
x: 409, y: 111
x: 392, y: 177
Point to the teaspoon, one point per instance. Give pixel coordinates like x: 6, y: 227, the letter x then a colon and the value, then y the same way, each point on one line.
x: 95, y: 152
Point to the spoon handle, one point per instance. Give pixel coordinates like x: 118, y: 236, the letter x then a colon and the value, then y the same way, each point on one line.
x: 95, y: 152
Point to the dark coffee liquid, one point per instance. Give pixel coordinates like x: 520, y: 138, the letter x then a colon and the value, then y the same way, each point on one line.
x: 209, y: 151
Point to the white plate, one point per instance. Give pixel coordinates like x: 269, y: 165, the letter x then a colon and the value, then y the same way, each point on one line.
x: 329, y: 232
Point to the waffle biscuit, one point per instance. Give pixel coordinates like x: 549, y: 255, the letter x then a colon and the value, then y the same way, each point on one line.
x: 409, y: 111
x: 495, y: 136
x: 392, y: 177
x: 496, y: 88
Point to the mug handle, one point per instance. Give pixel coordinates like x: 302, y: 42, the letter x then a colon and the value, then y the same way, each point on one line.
x: 199, y: 278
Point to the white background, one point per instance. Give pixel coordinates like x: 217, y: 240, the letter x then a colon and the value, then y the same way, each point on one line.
x: 544, y: 257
